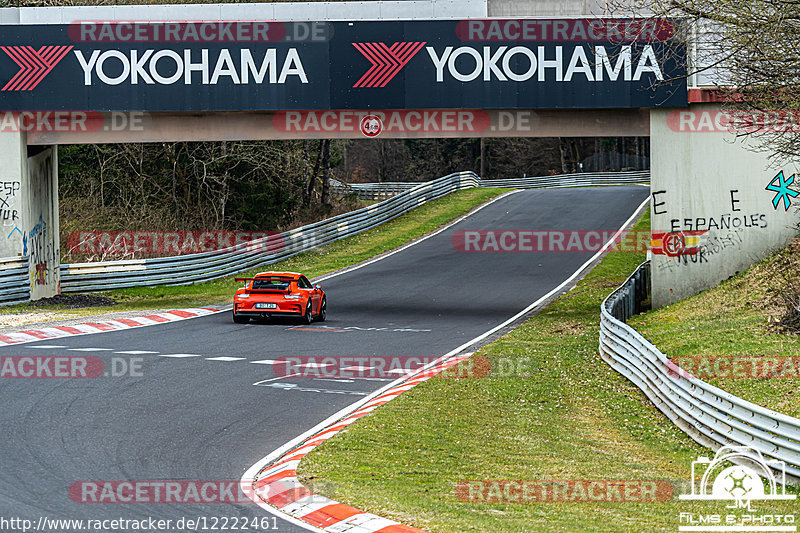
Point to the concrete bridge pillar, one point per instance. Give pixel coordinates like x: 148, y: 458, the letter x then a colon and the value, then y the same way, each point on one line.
x: 29, y: 208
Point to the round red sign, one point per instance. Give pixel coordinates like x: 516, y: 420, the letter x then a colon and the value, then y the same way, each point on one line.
x: 371, y: 125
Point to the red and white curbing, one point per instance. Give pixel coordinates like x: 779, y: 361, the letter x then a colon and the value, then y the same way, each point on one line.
x: 276, y: 484
x: 57, y: 332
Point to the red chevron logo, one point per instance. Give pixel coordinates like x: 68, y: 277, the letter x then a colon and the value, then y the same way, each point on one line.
x: 34, y: 65
x: 386, y: 61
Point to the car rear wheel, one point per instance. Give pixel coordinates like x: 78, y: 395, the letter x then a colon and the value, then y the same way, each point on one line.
x: 323, y: 311
x: 308, y: 318
x: 240, y: 319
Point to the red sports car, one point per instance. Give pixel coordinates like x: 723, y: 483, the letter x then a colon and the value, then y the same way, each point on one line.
x: 274, y: 294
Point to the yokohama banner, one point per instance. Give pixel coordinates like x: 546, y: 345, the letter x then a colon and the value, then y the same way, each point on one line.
x: 267, y: 65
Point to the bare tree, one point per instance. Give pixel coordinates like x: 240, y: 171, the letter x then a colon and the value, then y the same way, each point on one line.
x: 751, y: 51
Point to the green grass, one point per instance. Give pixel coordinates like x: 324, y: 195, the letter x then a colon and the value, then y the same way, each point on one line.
x: 563, y: 414
x: 730, y: 321
x: 320, y: 261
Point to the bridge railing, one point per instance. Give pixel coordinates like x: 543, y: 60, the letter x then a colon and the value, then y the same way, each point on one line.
x: 709, y: 415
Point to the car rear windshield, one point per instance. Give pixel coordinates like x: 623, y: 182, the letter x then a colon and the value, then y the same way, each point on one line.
x: 275, y: 284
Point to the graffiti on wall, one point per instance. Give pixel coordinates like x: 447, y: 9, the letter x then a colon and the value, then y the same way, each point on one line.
x: 697, y: 240
x: 41, y: 252
x: 783, y: 193
x: 40, y: 241
x: 9, y: 212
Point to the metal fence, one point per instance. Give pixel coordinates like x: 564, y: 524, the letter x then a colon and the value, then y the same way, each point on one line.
x: 193, y: 268
x: 14, y: 280
x: 386, y: 189
x: 372, y: 191
x: 709, y: 415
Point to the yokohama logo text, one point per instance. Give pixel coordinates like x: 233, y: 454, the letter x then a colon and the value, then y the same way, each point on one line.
x: 34, y: 65
x: 386, y: 61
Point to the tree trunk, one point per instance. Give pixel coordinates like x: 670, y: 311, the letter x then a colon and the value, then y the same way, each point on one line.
x: 305, y: 172
x: 563, y: 150
x: 483, y: 158
x: 326, y: 174
x: 312, y: 179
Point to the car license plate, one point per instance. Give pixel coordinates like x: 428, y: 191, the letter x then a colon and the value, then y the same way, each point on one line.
x: 266, y: 306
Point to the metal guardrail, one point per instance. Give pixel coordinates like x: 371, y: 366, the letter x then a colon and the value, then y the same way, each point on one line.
x: 206, y: 266
x: 14, y: 280
x: 372, y: 191
x: 387, y: 189
x: 572, y: 180
x: 709, y: 415
x: 193, y: 268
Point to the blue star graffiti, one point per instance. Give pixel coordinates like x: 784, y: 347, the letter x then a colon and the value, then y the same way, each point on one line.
x: 780, y: 186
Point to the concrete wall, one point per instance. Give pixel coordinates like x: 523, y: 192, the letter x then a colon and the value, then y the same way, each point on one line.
x: 29, y: 210
x: 566, y: 8
x: 710, y: 185
x: 42, y: 246
x: 284, y: 11
x: 12, y: 173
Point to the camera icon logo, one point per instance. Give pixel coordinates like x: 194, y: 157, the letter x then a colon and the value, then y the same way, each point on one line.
x: 738, y: 473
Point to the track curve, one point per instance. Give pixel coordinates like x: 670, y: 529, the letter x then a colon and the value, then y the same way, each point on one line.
x: 200, y: 417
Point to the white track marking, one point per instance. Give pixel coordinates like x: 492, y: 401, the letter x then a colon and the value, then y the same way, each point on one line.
x: 269, y: 380
x: 46, y: 346
x: 264, y: 362
x: 224, y: 358
x: 179, y: 355
x: 251, y: 472
x: 90, y: 349
x: 136, y: 352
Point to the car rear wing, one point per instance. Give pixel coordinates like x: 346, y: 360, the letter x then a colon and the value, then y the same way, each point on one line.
x: 288, y: 288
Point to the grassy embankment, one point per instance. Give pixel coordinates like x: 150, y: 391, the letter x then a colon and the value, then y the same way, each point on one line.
x: 562, y: 414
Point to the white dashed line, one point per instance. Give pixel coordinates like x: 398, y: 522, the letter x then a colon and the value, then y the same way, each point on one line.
x: 90, y: 349
x: 224, y: 358
x: 47, y: 346
x: 270, y: 379
x: 136, y: 352
x: 264, y: 362
x: 178, y: 355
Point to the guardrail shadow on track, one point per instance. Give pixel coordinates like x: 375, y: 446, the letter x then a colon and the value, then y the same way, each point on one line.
x: 206, y: 266
x: 709, y: 415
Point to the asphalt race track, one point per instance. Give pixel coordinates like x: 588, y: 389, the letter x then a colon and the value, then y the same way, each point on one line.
x: 192, y: 417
